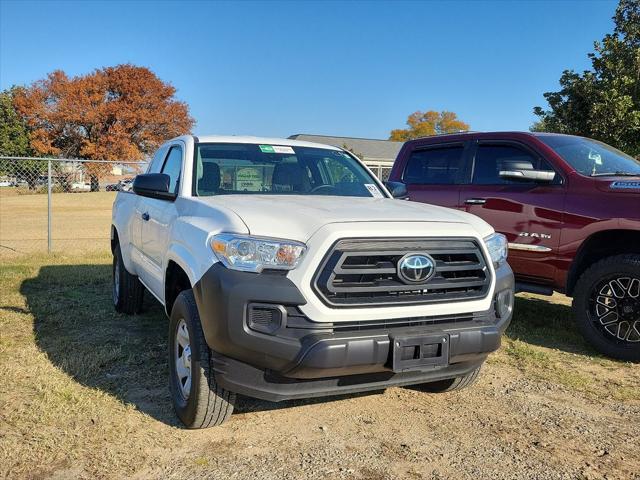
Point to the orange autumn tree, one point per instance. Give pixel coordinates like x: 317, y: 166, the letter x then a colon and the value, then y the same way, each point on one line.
x: 424, y: 124
x: 114, y: 113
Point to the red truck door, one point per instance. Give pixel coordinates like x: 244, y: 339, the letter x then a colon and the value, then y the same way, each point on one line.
x: 434, y: 173
x: 528, y: 212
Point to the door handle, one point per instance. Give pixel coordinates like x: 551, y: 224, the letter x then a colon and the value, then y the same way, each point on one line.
x: 145, y: 216
x: 475, y: 201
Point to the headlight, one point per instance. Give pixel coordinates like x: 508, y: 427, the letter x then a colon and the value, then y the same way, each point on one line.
x: 254, y: 254
x: 498, y: 248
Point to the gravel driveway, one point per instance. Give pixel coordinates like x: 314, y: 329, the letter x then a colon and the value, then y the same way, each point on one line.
x: 505, y: 427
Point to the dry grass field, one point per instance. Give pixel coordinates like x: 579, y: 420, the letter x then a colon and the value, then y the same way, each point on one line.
x: 84, y: 395
x: 81, y: 222
x: 83, y: 390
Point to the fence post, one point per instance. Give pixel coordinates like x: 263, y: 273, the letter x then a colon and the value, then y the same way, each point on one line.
x: 49, y: 206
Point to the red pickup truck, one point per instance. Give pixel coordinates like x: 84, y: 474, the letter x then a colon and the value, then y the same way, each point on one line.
x: 569, y: 206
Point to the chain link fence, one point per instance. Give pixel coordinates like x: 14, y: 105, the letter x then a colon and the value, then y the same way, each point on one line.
x: 64, y: 205
x: 57, y: 204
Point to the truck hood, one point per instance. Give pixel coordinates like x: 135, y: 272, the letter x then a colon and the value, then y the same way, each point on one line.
x: 298, y: 217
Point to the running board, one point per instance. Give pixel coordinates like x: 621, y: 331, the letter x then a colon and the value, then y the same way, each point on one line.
x: 533, y: 288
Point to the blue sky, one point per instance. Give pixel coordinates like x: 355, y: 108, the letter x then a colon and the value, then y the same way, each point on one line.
x: 335, y: 68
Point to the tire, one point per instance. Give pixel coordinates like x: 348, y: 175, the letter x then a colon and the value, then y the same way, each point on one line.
x: 451, y: 384
x: 606, y: 306
x: 202, y: 403
x: 127, y: 291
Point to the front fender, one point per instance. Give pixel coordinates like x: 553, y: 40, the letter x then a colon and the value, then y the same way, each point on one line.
x: 185, y: 259
x: 189, y: 248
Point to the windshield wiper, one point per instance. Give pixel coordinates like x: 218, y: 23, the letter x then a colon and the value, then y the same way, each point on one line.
x: 618, y: 174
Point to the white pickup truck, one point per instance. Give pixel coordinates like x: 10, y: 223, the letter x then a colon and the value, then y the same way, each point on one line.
x: 289, y: 271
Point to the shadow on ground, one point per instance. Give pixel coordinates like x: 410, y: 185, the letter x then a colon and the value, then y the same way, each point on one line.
x: 126, y: 356
x: 546, y: 324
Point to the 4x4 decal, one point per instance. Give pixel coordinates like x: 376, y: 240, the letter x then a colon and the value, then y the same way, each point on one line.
x: 625, y: 185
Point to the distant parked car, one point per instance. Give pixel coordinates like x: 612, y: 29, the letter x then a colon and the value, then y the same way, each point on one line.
x: 124, y: 185
x: 80, y: 187
x: 6, y: 183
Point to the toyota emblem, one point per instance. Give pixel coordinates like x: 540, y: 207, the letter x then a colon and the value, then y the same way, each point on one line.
x: 416, y: 268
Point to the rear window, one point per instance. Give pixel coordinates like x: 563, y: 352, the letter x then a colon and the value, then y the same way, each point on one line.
x: 436, y: 166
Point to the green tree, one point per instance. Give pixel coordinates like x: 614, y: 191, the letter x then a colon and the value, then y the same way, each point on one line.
x: 14, y: 135
x: 604, y: 102
x: 14, y: 141
x: 424, y: 124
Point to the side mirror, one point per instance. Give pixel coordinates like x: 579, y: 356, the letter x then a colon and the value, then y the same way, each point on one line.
x: 153, y: 185
x: 397, y: 189
x: 544, y: 176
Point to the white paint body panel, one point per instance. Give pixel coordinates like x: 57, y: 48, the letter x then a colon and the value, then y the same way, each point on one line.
x: 180, y: 231
x: 298, y: 217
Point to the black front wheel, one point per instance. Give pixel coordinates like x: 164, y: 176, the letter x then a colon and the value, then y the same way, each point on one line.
x: 606, y: 306
x: 197, y: 398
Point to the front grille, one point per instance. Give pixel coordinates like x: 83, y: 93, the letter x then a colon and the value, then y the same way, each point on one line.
x: 359, y: 272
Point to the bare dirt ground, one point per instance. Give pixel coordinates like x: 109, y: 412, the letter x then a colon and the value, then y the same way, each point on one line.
x: 83, y: 394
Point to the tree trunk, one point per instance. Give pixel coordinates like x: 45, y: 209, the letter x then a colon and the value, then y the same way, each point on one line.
x: 95, y: 186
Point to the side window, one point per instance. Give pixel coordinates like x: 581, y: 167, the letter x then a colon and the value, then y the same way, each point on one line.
x: 172, y: 166
x: 436, y: 166
x: 490, y: 160
x: 158, y: 159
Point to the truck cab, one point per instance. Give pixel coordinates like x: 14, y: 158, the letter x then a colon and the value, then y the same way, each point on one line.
x: 289, y: 271
x: 569, y: 207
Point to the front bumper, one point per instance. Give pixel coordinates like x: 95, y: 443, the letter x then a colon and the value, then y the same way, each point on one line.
x: 302, y: 358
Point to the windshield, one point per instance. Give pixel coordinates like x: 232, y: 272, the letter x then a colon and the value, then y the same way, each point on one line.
x: 243, y: 168
x: 590, y: 157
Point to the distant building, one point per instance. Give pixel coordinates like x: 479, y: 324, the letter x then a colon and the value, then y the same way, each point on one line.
x: 378, y: 155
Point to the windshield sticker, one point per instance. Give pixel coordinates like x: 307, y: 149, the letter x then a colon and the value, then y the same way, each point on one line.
x: 283, y: 149
x: 625, y: 185
x: 276, y: 149
x: 248, y: 180
x: 373, y: 190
